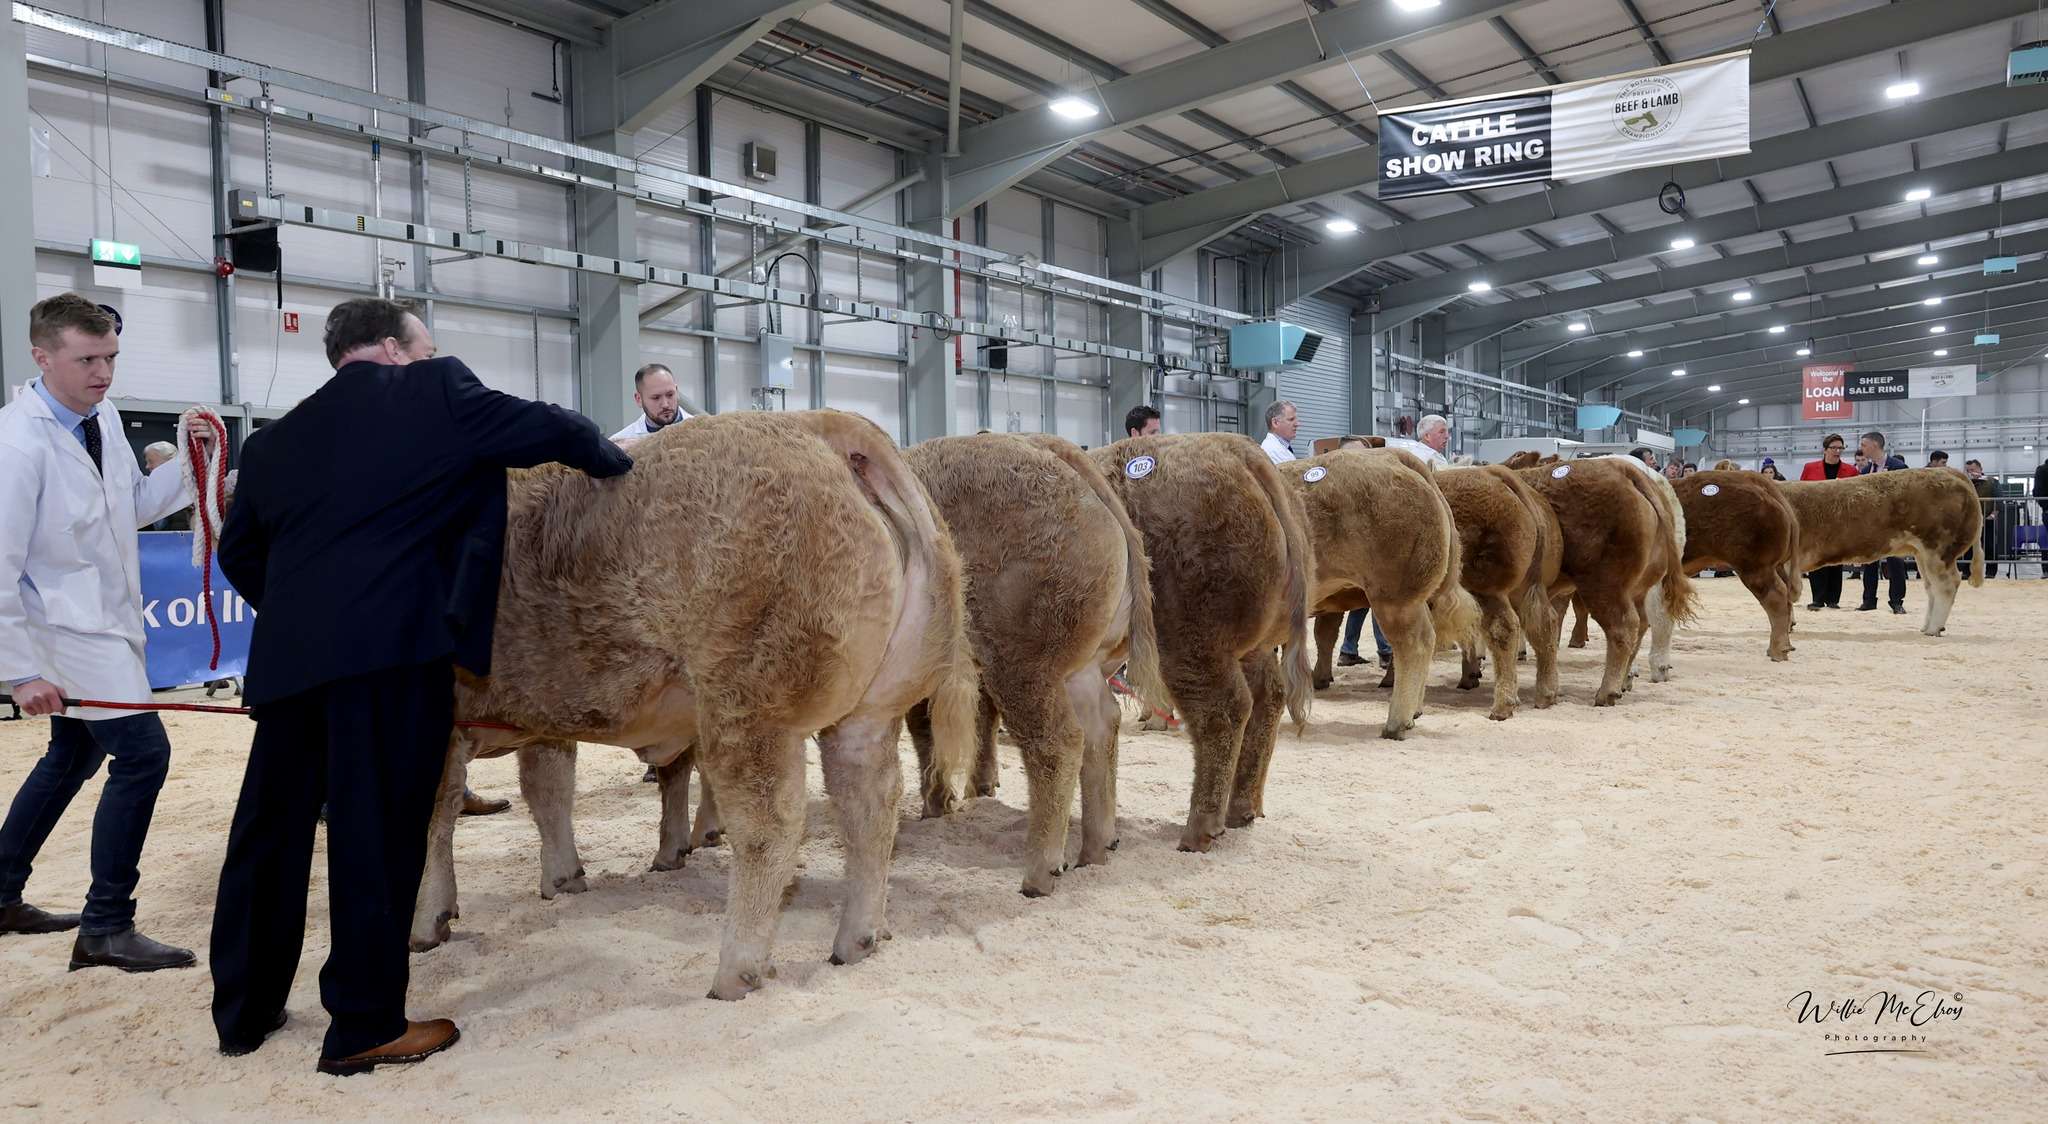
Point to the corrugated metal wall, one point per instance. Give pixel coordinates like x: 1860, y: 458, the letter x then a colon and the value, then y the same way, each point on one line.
x: 1321, y: 391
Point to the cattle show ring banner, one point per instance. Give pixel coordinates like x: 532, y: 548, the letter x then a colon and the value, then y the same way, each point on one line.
x: 1580, y: 130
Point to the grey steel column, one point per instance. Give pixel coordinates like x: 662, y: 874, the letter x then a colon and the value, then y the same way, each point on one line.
x: 17, y: 221
x: 929, y: 392
x: 609, y: 339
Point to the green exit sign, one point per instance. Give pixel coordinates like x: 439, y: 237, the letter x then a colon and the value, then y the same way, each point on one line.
x: 116, y: 253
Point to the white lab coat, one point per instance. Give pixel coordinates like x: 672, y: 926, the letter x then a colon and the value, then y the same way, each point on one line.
x: 70, y: 579
x: 1416, y: 448
x: 638, y: 426
x: 1275, y: 449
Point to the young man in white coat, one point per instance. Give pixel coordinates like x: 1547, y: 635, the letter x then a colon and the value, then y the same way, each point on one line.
x: 654, y: 391
x: 71, y: 500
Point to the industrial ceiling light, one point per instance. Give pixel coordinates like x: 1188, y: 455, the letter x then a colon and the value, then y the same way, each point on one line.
x: 1683, y: 243
x: 1416, y: 5
x: 1742, y: 401
x: 1742, y: 295
x: 1678, y: 372
x: 1578, y: 326
x: 1777, y: 329
x: 1713, y: 388
x: 1937, y: 329
x: 1941, y: 353
x: 1636, y: 353
x: 1919, y: 195
x: 1928, y: 259
x: 1341, y: 226
x: 1804, y: 351
x: 1073, y: 108
x: 1900, y: 91
x: 1479, y: 286
x: 1931, y: 301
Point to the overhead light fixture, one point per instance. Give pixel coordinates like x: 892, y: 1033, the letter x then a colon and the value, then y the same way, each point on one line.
x: 1937, y: 329
x: 1479, y: 286
x: 1777, y: 329
x: 1931, y: 301
x: 1636, y: 353
x: 1416, y: 5
x: 1578, y: 326
x: 1683, y: 243
x: 1919, y: 195
x: 1804, y: 351
x: 1900, y: 91
x: 1928, y: 259
x: 1678, y: 372
x: 1713, y: 388
x: 1073, y: 108
x: 1941, y: 353
x: 1742, y: 401
x: 1341, y: 226
x: 1743, y: 295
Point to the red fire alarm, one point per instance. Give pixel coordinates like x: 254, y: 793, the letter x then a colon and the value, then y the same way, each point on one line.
x: 291, y: 322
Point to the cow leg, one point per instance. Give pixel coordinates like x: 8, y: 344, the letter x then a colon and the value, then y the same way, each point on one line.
x: 547, y: 780
x: 434, y: 907
x: 1471, y: 661
x: 1579, y: 636
x: 1269, y: 699
x: 1539, y: 627
x: 1218, y: 702
x: 1770, y: 592
x: 1413, y: 637
x: 1503, y: 631
x: 1041, y: 717
x: 675, y: 812
x: 705, y: 830
x: 1088, y: 693
x: 1622, y: 625
x: 864, y: 782
x: 1942, y: 582
x: 938, y: 795
x: 762, y: 776
x: 987, y: 770
x: 1328, y: 625
x: 1661, y: 628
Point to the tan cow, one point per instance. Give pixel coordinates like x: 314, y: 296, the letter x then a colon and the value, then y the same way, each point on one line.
x: 1619, y: 544
x: 1383, y: 538
x: 756, y: 578
x: 1740, y: 521
x: 1512, y: 550
x: 1231, y: 568
x: 1930, y: 513
x: 1058, y: 594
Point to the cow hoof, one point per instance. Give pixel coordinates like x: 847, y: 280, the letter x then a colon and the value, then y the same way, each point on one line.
x: 1197, y: 842
x: 941, y: 807
x: 1115, y: 843
x: 710, y: 838
x: 1098, y: 856
x: 862, y: 948
x: 662, y: 862
x: 1387, y: 680
x: 985, y: 789
x: 1468, y: 684
x: 1031, y: 891
x: 1546, y: 700
x: 567, y: 884
x: 738, y: 986
x: 1393, y: 731
x: 1576, y: 644
x: 1240, y: 817
x: 440, y: 936
x: 1322, y: 684
x: 1501, y: 713
x: 1607, y: 698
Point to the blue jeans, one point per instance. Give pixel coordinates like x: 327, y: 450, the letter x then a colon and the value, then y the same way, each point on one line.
x: 142, y: 758
x: 1354, y: 625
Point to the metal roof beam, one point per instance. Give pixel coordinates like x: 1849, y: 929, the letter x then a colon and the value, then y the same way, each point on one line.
x: 664, y: 51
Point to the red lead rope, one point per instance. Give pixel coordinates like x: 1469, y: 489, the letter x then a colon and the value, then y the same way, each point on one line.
x: 196, y: 449
x: 196, y: 708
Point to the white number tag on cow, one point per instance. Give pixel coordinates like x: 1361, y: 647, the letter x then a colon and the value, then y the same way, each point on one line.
x: 1561, y: 471
x: 1314, y: 474
x: 1138, y: 468
x: 1711, y: 490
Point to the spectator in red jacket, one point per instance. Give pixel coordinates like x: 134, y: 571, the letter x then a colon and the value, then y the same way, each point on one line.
x: 1827, y: 581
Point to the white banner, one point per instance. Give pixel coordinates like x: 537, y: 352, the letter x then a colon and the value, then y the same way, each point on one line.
x: 1691, y: 111
x: 1941, y: 382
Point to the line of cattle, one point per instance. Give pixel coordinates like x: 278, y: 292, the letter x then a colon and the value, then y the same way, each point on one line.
x: 760, y: 578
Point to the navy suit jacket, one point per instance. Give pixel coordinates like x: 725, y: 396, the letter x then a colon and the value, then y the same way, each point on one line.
x: 368, y: 527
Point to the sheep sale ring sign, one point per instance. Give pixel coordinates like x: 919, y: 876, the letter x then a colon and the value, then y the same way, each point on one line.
x: 1693, y: 111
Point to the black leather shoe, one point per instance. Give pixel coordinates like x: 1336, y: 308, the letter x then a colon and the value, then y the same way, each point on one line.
x: 1866, y: 608
x: 239, y: 1049
x: 129, y: 951
x: 22, y: 917
x: 1899, y: 609
x: 1349, y: 659
x: 1815, y: 607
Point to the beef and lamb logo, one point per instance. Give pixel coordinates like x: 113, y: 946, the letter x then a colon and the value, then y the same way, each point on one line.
x: 1647, y: 108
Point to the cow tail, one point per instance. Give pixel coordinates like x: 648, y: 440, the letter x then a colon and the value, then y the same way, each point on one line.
x: 1681, y: 600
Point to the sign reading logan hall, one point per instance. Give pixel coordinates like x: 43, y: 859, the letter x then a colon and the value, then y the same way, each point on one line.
x: 1824, y: 393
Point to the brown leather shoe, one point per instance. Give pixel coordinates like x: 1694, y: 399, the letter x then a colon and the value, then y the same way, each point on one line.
x: 474, y: 805
x: 419, y: 1041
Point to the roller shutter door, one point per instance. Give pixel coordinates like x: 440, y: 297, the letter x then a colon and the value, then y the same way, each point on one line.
x: 1320, y: 391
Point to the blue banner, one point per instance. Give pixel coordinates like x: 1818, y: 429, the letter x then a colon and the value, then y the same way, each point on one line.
x: 174, y: 624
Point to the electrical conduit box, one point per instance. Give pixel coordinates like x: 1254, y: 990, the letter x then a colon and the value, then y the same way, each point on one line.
x: 778, y: 361
x: 1270, y: 345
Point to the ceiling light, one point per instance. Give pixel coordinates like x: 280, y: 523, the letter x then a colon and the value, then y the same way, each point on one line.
x: 1804, y: 351
x: 1073, y: 108
x: 1941, y: 353
x: 1743, y: 295
x: 1636, y: 354
x: 1928, y: 259
x: 1899, y: 91
x: 1416, y: 5
x: 1777, y: 329
x: 1931, y: 301
x: 1937, y: 329
x: 1578, y: 325
x: 1683, y: 243
x: 1919, y: 195
x: 1341, y: 226
x: 1742, y: 401
x: 1479, y: 286
x: 1678, y: 372
x: 1713, y: 388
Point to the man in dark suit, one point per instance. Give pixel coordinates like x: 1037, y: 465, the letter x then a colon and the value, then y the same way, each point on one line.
x: 367, y: 531
x: 1871, y: 448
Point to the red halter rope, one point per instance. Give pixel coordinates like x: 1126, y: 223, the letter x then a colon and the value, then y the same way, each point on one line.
x: 208, y: 533
x: 196, y: 708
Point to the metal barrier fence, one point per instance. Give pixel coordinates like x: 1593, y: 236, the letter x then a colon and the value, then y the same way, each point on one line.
x: 2015, y: 536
